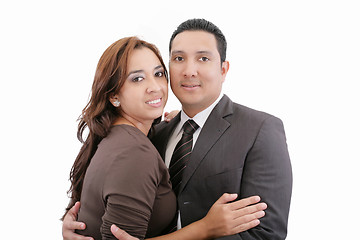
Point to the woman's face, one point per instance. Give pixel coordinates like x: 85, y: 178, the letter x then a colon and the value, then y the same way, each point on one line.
x: 144, y: 93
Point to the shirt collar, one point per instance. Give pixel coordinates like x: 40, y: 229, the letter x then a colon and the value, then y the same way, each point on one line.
x: 199, y: 118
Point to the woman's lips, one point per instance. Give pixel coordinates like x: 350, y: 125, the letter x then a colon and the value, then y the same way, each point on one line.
x: 155, y: 102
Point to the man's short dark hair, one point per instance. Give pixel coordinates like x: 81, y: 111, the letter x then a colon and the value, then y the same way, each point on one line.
x: 203, y: 25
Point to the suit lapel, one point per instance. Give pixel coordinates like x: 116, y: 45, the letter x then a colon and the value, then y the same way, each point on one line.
x: 162, y: 138
x: 213, y: 128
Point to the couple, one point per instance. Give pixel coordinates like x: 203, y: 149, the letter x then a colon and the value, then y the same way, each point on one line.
x: 121, y: 178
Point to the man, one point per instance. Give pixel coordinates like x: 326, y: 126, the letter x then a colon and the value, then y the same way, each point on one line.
x: 236, y: 149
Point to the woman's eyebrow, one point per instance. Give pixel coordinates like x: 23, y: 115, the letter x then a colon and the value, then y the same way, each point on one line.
x: 158, y: 67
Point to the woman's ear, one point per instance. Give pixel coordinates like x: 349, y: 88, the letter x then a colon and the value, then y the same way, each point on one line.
x: 115, y: 100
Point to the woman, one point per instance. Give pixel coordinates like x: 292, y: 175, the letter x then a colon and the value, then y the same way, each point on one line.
x: 118, y: 175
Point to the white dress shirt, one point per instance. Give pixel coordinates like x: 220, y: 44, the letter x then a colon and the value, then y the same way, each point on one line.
x: 175, y: 137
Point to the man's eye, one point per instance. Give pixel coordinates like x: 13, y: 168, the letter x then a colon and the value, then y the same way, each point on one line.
x: 204, y: 59
x: 179, y: 59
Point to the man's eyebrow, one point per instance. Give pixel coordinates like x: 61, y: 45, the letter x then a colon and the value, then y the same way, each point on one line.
x: 197, y: 52
x: 204, y: 52
x: 177, y: 52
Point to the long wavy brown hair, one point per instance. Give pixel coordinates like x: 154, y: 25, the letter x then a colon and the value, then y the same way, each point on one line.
x: 99, y: 114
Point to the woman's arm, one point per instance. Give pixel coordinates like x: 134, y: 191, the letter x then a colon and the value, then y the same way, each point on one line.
x: 223, y: 219
x: 130, y: 190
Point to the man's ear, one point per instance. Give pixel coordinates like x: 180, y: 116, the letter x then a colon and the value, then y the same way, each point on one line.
x: 224, y: 69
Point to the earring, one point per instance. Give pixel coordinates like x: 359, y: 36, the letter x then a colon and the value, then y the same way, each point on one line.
x: 116, y: 103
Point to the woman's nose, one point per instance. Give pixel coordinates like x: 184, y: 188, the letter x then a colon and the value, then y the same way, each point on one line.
x: 153, y: 85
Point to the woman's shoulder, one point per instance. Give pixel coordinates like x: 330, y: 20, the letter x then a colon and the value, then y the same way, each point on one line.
x: 124, y: 135
x: 128, y: 143
x: 125, y: 131
x: 131, y: 154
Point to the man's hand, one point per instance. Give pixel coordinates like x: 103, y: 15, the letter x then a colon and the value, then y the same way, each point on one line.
x: 226, y: 218
x: 121, y: 234
x: 70, y: 225
x: 223, y: 219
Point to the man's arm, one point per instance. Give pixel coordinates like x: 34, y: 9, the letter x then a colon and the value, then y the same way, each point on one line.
x: 267, y: 172
x: 170, y: 115
x: 224, y: 218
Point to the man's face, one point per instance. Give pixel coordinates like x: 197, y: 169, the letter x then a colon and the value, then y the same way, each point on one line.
x: 196, y: 71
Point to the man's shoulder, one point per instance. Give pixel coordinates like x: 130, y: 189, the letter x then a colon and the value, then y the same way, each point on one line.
x: 241, y: 111
x: 162, y: 130
x: 161, y: 126
x: 256, y: 119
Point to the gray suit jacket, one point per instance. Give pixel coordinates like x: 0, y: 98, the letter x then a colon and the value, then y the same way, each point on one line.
x: 239, y: 150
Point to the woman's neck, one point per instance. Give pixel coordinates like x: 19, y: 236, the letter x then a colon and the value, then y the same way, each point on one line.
x: 143, y: 127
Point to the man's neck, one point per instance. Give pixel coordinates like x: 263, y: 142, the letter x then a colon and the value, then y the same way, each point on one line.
x: 191, y: 111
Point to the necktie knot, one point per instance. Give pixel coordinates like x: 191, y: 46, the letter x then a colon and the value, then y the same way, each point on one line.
x: 190, y: 127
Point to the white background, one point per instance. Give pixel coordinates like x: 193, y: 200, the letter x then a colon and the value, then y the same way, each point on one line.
x: 298, y: 60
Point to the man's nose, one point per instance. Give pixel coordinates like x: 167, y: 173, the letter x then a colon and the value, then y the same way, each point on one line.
x: 190, y: 69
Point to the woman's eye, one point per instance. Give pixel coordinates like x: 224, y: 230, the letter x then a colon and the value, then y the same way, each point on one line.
x: 204, y: 59
x: 159, y: 74
x: 137, y: 79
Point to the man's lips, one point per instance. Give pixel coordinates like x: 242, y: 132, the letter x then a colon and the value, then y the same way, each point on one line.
x: 190, y: 85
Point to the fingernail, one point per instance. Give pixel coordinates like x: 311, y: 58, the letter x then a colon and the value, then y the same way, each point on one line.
x: 114, y: 228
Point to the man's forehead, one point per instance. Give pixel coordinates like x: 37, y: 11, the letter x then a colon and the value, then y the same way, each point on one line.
x: 194, y: 42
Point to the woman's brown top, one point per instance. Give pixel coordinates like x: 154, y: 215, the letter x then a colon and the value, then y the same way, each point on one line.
x: 127, y: 184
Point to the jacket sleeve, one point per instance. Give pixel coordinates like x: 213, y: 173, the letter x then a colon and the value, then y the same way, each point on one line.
x: 267, y: 173
x: 129, y: 191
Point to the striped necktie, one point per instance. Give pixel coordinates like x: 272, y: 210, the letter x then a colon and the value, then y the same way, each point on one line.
x: 182, y: 154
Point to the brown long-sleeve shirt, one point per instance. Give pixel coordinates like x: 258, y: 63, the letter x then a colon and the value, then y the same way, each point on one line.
x: 127, y: 184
